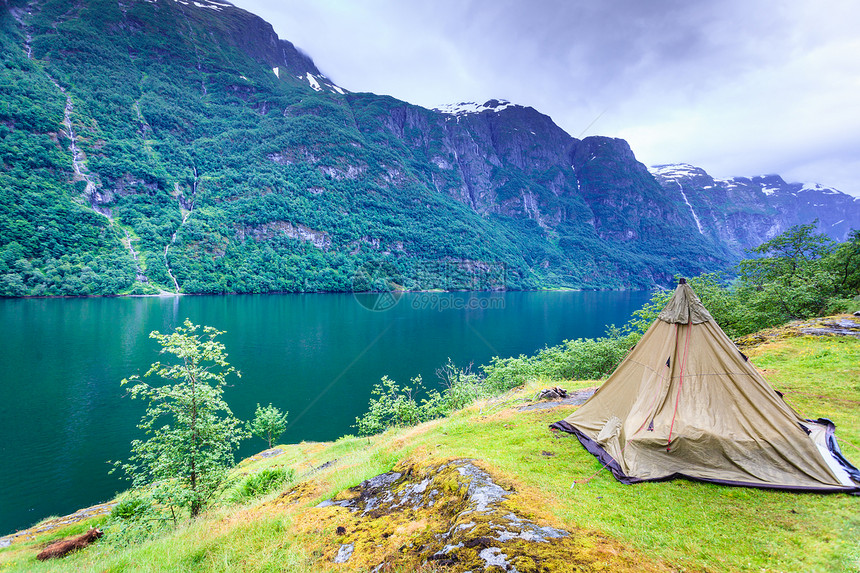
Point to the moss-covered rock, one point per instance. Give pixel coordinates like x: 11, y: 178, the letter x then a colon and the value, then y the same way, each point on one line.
x: 450, y: 514
x: 839, y: 325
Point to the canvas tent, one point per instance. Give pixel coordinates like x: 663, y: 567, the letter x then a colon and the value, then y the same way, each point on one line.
x: 686, y: 402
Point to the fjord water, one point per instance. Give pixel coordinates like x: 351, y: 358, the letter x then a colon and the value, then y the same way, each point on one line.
x: 63, y: 413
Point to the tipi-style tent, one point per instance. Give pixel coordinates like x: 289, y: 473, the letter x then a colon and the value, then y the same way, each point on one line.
x: 686, y: 403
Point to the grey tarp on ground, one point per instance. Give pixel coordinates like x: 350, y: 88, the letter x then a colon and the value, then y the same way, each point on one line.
x: 686, y: 403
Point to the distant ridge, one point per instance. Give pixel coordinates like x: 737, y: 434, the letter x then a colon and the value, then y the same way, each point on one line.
x: 746, y: 211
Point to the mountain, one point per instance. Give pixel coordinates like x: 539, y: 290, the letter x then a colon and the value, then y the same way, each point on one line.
x: 743, y: 212
x: 181, y: 146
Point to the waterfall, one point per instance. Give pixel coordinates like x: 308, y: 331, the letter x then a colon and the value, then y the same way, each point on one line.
x: 695, y: 217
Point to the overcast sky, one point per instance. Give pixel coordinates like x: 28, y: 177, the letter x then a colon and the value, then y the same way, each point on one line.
x: 738, y: 87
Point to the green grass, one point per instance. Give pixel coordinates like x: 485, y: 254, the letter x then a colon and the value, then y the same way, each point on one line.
x: 672, y: 526
x: 820, y: 377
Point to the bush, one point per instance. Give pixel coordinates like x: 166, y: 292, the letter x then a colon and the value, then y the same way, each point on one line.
x: 135, y: 519
x: 580, y: 359
x: 461, y: 387
x: 268, y: 423
x: 265, y: 481
x: 131, y: 508
x: 393, y: 407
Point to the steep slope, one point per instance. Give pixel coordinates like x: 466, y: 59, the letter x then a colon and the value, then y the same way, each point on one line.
x: 744, y: 212
x: 165, y: 145
x: 596, y: 215
x: 215, y: 151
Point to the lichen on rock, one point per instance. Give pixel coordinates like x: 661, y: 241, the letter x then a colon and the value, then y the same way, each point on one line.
x: 450, y: 514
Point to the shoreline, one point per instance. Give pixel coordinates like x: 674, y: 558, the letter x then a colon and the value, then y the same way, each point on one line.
x: 417, y: 291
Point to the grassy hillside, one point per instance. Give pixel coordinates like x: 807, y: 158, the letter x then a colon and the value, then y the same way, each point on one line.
x: 672, y: 526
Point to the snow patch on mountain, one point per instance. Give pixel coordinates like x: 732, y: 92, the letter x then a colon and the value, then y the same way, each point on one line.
x: 675, y: 170
x: 320, y: 83
x: 210, y: 4
x: 819, y: 187
x: 466, y: 108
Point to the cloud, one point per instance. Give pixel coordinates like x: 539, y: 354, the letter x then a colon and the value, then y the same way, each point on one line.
x: 737, y: 87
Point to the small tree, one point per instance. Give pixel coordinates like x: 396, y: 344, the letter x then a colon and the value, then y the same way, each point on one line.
x: 789, y: 279
x: 269, y: 423
x: 845, y: 262
x: 192, y: 432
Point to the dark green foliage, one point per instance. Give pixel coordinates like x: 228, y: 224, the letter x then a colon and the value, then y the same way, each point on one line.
x: 844, y: 263
x: 790, y: 278
x: 798, y: 274
x: 265, y: 481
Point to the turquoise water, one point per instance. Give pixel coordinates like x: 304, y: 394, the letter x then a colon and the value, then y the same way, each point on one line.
x: 63, y: 414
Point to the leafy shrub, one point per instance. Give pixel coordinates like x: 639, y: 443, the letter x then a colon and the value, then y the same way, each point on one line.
x: 580, y: 359
x: 268, y: 423
x: 135, y: 519
x: 394, y: 406
x: 131, y: 508
x: 460, y: 387
x: 265, y: 481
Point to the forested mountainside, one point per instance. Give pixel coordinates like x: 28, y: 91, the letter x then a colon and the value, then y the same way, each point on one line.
x: 165, y: 145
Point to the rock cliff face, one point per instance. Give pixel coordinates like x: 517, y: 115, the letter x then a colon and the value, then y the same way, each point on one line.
x: 744, y: 212
x: 511, y: 161
x: 219, y: 159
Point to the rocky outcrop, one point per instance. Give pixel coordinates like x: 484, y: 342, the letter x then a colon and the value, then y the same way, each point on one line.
x: 458, y: 515
x: 319, y: 239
